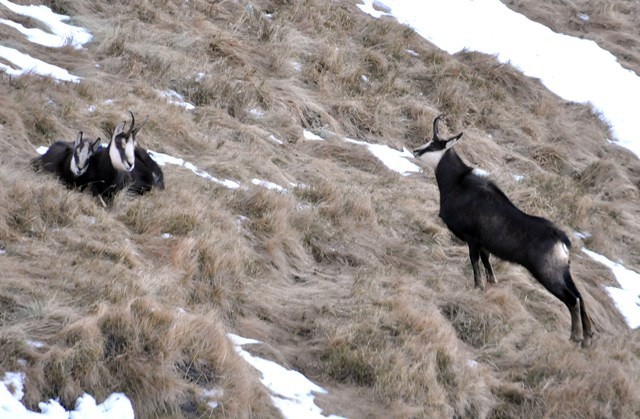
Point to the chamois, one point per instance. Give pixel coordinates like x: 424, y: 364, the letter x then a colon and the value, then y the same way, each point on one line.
x: 481, y: 215
x: 123, y: 164
x: 110, y: 168
x: 68, y: 160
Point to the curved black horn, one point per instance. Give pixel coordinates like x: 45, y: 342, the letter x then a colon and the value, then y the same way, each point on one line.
x: 133, y: 122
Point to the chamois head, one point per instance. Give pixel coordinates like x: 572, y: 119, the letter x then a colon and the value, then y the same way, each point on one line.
x: 432, y: 152
x: 123, y: 144
x: 82, y: 151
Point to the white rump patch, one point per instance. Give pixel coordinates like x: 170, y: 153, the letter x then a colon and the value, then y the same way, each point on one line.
x: 480, y: 172
x: 561, y: 251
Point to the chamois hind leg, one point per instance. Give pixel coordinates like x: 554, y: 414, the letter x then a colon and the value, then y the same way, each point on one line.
x: 557, y: 286
x: 484, y: 256
x: 587, y: 327
x: 474, y: 255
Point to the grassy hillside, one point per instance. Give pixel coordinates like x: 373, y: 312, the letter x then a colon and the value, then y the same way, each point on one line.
x: 350, y: 277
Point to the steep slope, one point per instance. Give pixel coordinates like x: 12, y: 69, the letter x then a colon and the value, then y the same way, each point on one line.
x: 349, y: 276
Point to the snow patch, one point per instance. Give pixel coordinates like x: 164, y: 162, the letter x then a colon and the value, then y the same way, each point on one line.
x: 269, y: 185
x: 275, y: 139
x: 576, y: 69
x: 291, y: 392
x: 308, y: 135
x: 394, y: 160
x: 175, y: 98
x: 627, y: 297
x: 163, y: 159
x: 61, y: 33
x: 27, y: 64
x: 116, y: 406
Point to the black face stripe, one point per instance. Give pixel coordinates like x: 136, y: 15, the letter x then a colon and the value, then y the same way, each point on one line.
x: 121, y: 143
x: 435, y: 145
x: 77, y: 156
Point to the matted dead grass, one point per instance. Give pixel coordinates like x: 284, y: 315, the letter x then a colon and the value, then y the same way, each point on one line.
x: 349, y: 276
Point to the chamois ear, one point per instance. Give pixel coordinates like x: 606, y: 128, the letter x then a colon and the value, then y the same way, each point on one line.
x: 139, y: 127
x: 95, y: 145
x: 78, y: 140
x: 453, y: 140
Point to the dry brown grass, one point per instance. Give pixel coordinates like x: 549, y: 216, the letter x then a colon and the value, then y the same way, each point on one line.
x: 349, y: 277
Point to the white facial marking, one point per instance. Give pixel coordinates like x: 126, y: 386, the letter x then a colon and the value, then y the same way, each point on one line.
x: 116, y: 159
x: 432, y: 158
x: 74, y: 168
x: 129, y: 153
x: 114, y: 155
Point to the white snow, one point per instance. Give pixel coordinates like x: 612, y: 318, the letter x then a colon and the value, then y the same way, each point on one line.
x: 395, y: 160
x: 583, y: 16
x: 27, y: 64
x: 275, y: 139
x: 269, y: 185
x: 308, y: 135
x: 576, y: 69
x: 213, y: 393
x: 61, y: 33
x: 291, y: 392
x: 116, y: 406
x: 163, y: 159
x: 582, y: 235
x: 35, y: 343
x: 627, y: 297
x: 175, y: 98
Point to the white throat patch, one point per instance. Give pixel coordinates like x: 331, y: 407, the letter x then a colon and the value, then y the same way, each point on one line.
x: 74, y: 167
x: 432, y: 158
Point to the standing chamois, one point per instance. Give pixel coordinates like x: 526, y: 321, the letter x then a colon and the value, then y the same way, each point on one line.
x: 481, y: 215
x: 68, y: 160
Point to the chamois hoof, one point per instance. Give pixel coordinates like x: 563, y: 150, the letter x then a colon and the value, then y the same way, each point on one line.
x: 575, y: 339
x: 479, y: 287
x: 587, y: 342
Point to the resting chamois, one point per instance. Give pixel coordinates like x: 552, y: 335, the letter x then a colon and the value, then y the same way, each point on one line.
x: 110, y: 168
x: 68, y: 160
x: 123, y: 164
x: 481, y: 215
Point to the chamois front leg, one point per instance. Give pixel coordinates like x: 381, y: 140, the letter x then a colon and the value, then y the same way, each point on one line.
x: 484, y: 255
x: 474, y: 255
